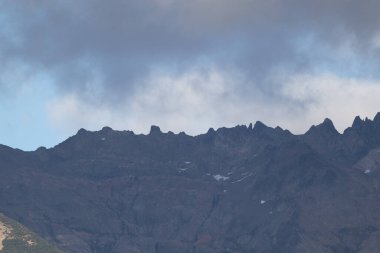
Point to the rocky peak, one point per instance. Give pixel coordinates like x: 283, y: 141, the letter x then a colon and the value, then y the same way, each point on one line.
x: 106, y: 129
x: 326, y: 128
x: 259, y: 126
x: 211, y: 131
x: 358, y: 122
x: 82, y: 131
x: 154, y: 130
x: 376, y: 120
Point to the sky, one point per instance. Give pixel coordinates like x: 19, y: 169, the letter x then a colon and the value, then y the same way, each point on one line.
x: 184, y: 65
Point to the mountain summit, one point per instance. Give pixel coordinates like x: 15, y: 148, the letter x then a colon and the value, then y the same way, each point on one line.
x: 242, y: 189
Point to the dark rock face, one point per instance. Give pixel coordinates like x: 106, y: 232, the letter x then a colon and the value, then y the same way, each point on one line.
x: 241, y: 189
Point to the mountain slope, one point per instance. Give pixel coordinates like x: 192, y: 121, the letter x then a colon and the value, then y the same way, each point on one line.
x: 15, y: 238
x: 241, y: 189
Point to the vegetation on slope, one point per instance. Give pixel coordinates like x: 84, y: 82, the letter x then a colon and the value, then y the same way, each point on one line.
x: 15, y: 238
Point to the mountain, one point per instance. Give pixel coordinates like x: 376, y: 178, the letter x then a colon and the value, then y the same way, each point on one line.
x: 242, y: 189
x: 15, y: 238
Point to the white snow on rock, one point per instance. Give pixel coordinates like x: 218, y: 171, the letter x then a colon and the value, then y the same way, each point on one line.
x: 262, y: 202
x: 103, y: 139
x: 187, y: 162
x: 220, y: 178
x: 367, y: 171
x: 243, y: 178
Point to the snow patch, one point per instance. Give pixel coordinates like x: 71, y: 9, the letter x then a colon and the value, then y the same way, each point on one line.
x: 262, y: 202
x: 187, y: 162
x: 31, y: 242
x: 241, y: 179
x: 220, y: 178
x: 367, y: 171
x: 103, y: 139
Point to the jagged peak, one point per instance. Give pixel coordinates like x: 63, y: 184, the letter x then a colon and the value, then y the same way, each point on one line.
x: 358, y: 122
x: 327, y: 126
x: 211, y: 131
x: 366, y: 124
x: 155, y: 130
x: 81, y: 131
x: 328, y: 122
x: 377, y: 118
x: 259, y: 126
x: 326, y: 129
x: 182, y: 133
x: 106, y: 129
x: 278, y: 128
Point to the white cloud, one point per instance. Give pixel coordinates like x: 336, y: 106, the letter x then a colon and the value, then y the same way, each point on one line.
x: 376, y: 41
x: 190, y: 102
x: 327, y: 95
x: 69, y: 113
x: 200, y: 99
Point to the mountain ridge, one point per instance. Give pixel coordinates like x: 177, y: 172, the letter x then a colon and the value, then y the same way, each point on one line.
x: 243, y: 189
x: 258, y: 126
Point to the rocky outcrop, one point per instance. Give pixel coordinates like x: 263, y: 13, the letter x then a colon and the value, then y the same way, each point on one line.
x: 14, y: 237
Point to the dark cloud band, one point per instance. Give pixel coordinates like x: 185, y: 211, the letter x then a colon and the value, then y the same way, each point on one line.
x: 115, y: 44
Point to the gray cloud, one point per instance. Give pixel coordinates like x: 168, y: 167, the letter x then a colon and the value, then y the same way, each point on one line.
x: 114, y: 45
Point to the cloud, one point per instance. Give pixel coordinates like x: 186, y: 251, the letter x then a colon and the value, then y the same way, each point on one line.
x: 190, y: 102
x: 327, y: 95
x: 130, y: 64
x: 123, y: 41
x: 195, y: 101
